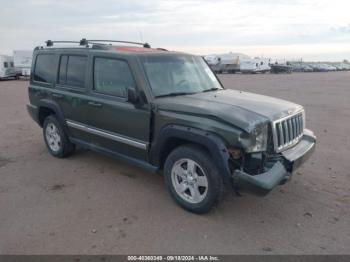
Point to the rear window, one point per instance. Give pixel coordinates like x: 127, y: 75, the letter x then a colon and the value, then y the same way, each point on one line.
x: 72, y: 70
x: 45, y: 68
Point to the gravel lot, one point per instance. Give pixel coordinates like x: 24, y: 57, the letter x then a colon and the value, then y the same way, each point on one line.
x: 92, y: 204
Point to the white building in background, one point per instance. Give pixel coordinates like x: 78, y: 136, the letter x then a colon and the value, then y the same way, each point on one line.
x: 7, y: 68
x: 23, y: 61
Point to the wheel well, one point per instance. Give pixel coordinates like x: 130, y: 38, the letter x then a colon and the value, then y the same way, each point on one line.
x: 173, y: 143
x: 43, y: 113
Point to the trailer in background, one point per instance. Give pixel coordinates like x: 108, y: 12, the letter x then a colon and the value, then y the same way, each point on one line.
x: 23, y: 61
x: 225, y: 63
x: 255, y: 65
x: 7, y: 68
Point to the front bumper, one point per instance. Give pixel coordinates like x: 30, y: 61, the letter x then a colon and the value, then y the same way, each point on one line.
x: 281, y: 171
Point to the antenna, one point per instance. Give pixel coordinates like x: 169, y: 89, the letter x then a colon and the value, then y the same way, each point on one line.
x: 141, y: 37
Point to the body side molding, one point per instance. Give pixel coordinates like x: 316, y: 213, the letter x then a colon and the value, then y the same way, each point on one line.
x: 106, y: 134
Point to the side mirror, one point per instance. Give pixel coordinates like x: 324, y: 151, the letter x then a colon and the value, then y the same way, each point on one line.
x: 133, y: 96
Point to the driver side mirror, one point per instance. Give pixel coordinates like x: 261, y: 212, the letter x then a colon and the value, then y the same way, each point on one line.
x: 132, y: 95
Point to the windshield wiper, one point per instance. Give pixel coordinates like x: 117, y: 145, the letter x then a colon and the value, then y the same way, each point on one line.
x: 177, y: 94
x: 211, y: 89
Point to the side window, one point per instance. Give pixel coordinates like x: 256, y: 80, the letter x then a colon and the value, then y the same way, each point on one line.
x: 72, y: 70
x: 45, y: 68
x: 112, y: 77
x: 11, y: 64
x: 6, y: 65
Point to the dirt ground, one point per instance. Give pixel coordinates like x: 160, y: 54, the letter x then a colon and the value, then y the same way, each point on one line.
x: 92, y: 204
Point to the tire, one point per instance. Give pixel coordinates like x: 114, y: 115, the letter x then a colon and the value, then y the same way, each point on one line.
x: 192, y: 179
x: 56, y: 139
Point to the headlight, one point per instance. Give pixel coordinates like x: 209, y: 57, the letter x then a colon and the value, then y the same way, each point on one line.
x: 258, y: 139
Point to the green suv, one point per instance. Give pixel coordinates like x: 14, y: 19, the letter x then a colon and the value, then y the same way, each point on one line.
x: 166, y: 112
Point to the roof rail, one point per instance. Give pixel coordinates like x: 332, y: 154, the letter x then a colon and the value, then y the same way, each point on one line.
x: 50, y: 43
x: 86, y: 42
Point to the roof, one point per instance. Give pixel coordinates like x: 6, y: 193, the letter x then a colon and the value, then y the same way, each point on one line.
x: 132, y: 49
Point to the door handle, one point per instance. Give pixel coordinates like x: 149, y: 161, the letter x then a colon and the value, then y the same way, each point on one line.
x: 57, y: 95
x: 92, y: 103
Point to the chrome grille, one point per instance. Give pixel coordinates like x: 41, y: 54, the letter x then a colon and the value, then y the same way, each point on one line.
x: 288, y: 131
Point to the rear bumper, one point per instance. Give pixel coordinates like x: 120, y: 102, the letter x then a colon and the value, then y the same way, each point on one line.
x: 281, y: 171
x: 33, y: 112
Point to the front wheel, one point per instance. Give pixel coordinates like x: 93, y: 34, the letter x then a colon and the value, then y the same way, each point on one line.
x: 193, y: 179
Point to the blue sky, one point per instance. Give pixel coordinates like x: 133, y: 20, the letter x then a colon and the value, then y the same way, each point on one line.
x: 312, y: 29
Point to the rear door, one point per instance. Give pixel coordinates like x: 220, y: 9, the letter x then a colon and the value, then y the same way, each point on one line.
x: 116, y: 124
x: 70, y: 92
x: 43, y: 76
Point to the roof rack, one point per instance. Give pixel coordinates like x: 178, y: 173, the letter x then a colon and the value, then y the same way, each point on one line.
x: 86, y: 42
x: 50, y: 43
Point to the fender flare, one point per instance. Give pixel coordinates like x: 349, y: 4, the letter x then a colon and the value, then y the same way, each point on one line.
x: 213, y: 143
x: 54, y: 106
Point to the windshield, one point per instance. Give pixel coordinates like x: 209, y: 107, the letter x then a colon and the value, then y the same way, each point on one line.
x: 178, y: 74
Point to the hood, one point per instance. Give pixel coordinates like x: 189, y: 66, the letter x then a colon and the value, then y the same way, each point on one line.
x: 242, y: 109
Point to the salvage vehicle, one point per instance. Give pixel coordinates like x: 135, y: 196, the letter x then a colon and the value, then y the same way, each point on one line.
x: 280, y: 68
x: 166, y: 112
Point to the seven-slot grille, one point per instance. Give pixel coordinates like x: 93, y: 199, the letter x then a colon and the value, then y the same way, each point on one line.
x: 288, y: 131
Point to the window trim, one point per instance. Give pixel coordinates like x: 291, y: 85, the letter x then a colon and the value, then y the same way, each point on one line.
x: 65, y: 85
x: 93, y: 90
x: 49, y: 84
x: 59, y: 69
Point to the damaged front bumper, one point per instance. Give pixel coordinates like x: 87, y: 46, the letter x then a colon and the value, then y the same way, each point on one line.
x: 281, y: 171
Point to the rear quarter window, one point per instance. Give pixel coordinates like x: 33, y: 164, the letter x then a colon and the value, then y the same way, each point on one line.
x: 45, y: 68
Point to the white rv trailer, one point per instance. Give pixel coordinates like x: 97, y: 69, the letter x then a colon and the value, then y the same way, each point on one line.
x: 7, y: 68
x: 23, y: 61
x: 212, y: 59
x: 255, y: 65
x: 228, y: 62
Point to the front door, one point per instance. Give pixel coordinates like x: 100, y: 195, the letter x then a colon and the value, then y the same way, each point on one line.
x: 114, y: 123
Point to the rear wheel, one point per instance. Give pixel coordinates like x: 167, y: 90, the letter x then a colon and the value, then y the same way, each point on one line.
x: 55, y: 138
x: 192, y: 179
